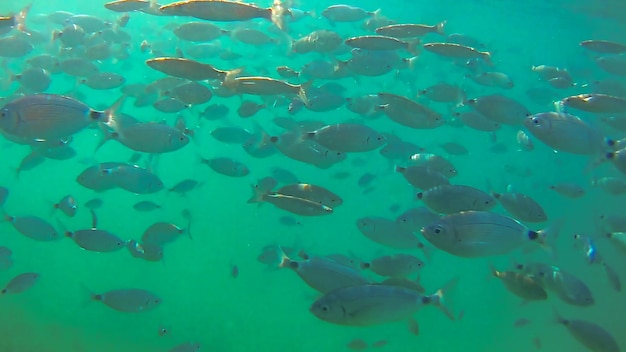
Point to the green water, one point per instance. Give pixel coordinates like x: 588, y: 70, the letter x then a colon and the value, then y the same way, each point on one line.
x: 267, y: 310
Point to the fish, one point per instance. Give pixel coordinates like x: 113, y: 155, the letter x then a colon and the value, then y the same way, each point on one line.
x: 134, y: 179
x: 603, y: 46
x: 217, y: 10
x: 104, y: 81
x: 522, y: 285
x: 482, y: 233
x: 198, y: 31
x: 183, y: 187
x: 346, y: 13
x: 49, y: 116
x: 389, y: 233
x: 33, y: 227
x: 347, y: 137
x: 568, y: 189
x: 227, y: 166
x: 395, y: 266
x: 186, y: 347
x: 189, y: 69
x: 477, y: 121
x: 17, y: 21
x: 145, y: 206
x: 292, y: 204
x: 409, y: 113
x: 67, y: 205
x: 566, y: 286
x: 357, y: 345
x: 500, y: 109
x: 589, y: 334
x: 311, y: 192
x: 618, y: 159
x: 127, y: 5
x: 96, y: 240
x: 595, y: 103
x: 443, y: 93
x: 411, y: 30
x: 323, y: 274
x: 521, y: 206
x: 422, y: 177
x: 4, y: 195
x: 130, y: 300
x: 161, y: 233
x: 370, y: 304
x: 435, y: 163
x: 458, y: 51
x: 234, y: 135
x: 381, y: 42
x: 20, y: 283
x: 450, y: 199
x: 492, y: 79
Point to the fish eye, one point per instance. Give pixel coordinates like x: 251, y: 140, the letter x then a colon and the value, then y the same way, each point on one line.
x: 325, y: 308
x: 437, y: 230
x: 536, y: 121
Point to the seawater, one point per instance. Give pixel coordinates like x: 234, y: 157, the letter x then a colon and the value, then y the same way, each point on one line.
x: 267, y: 310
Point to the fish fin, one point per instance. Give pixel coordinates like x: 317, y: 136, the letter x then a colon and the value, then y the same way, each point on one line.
x: 302, y: 93
x: 612, y: 277
x: 413, y: 46
x: 428, y: 252
x: 114, y: 108
x: 257, y: 195
x: 547, y: 237
x: 440, y: 27
x: 89, y: 293
x: 21, y: 19
x: 284, y: 260
x: 557, y: 318
x: 187, y: 215
x: 439, y: 297
x: 107, y: 133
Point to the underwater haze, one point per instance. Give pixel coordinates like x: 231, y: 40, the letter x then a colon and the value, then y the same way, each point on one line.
x: 233, y: 260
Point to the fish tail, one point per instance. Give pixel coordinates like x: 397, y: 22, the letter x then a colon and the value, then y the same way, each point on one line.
x: 428, y: 252
x: 440, y: 27
x: 20, y: 18
x: 302, y: 93
x: 107, y: 133
x: 284, y: 260
x: 257, y: 195
x: 612, y: 277
x: 557, y: 317
x: 548, y: 236
x: 229, y: 78
x: 113, y: 109
x: 487, y: 58
x: 412, y: 46
x: 438, y: 298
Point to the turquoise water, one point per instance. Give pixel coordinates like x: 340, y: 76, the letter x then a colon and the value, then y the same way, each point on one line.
x: 267, y: 310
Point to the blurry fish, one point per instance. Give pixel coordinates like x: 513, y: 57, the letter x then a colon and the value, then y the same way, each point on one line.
x: 67, y: 205
x: 444, y: 93
x: 568, y: 189
x: 17, y: 21
x: 500, y: 108
x: 324, y: 275
x: 4, y: 194
x: 215, y: 112
x: 249, y: 108
x: 127, y: 5
x: 188, y: 69
x: 589, y: 334
x: 161, y: 233
x: 94, y: 203
x: 134, y: 179
x: 422, y: 177
x: 408, y: 112
x: 457, y: 51
x: 381, y: 42
x: 603, y: 46
x: 481, y: 233
x: 235, y: 135
x: 185, y: 347
x: 128, y: 300
x: 610, y: 185
x: 33, y: 227
x: 348, y: 137
x: 454, y: 148
x: 104, y: 81
x: 20, y: 283
x: 293, y: 204
x: 145, y: 206
x: 521, y: 206
x: 284, y: 176
x: 227, y: 166
x: 566, y: 133
x: 416, y: 218
x: 597, y: 103
x: 311, y: 192
x: 521, y: 285
x: 184, y: 186
x: 397, y: 265
x: 493, y: 79
x: 389, y: 233
x: 435, y: 163
x: 357, y: 345
x: 345, y: 13
x: 449, y: 199
x: 198, y: 31
x: 411, y: 30
x: 569, y: 288
x: 477, y: 121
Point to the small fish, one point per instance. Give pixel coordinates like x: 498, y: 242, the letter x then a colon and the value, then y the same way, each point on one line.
x: 20, y: 283
x: 611, y: 185
x: 521, y: 206
x: 566, y: 286
x: 293, y: 204
x: 161, y: 233
x: 128, y: 300
x: 449, y: 199
x: 345, y: 13
x: 521, y: 322
x: 249, y: 108
x: 389, y: 233
x: 458, y: 51
x: 410, y: 30
x: 94, y: 203
x: 381, y: 42
x: 422, y: 177
x: 127, y: 5
x: 482, y: 233
x: 396, y: 266
x: 500, y: 109
x: 357, y: 345
x: 589, y: 334
x: 185, y: 186
x: 198, y: 31
x: 145, y: 206
x: 234, y: 135
x: 596, y: 103
x: 313, y: 193
x: 568, y: 189
x: 227, y: 166
x: 67, y: 205
x: 492, y: 79
x: 134, y: 179
x: 522, y: 285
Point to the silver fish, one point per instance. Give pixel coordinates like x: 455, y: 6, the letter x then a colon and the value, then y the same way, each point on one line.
x: 481, y: 233
x: 449, y: 199
x: 566, y: 133
x: 128, y: 300
x: 96, y: 240
x: 161, y: 233
x: 33, y: 227
x: 591, y: 335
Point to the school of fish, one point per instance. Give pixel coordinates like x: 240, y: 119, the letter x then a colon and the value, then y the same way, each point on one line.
x: 321, y: 122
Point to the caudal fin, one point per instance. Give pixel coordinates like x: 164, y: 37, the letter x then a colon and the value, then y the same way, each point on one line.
x: 438, y: 298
